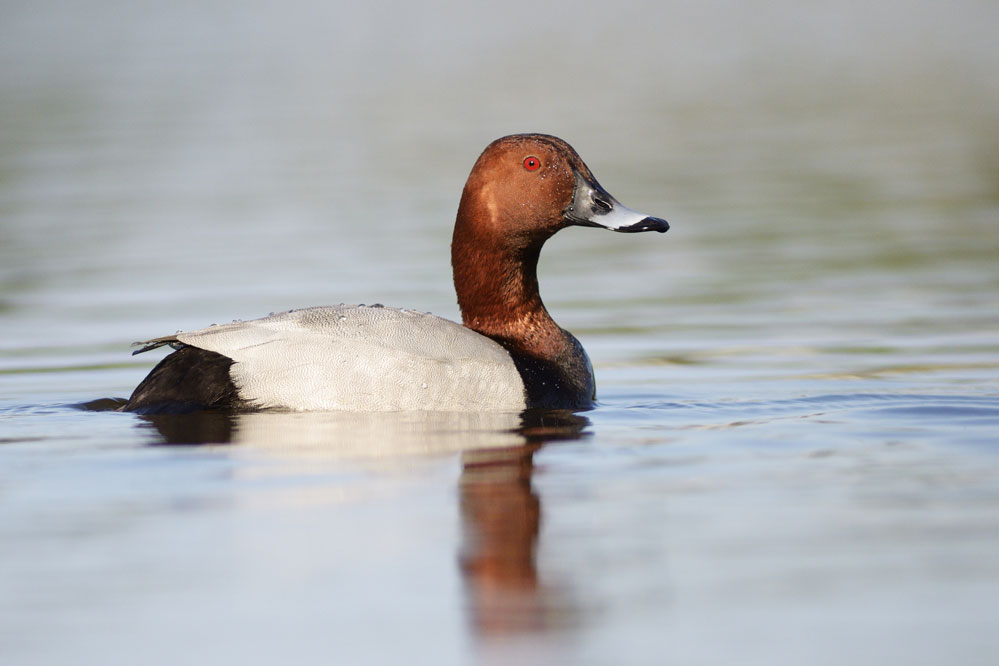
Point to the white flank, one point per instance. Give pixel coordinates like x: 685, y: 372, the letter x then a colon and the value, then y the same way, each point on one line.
x: 360, y: 358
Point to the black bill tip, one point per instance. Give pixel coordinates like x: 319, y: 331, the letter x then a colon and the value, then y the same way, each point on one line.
x: 647, y: 224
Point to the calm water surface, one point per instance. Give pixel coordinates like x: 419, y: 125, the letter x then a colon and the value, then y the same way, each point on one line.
x: 795, y: 459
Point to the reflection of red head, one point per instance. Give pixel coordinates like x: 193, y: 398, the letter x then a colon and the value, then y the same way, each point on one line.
x: 501, y: 516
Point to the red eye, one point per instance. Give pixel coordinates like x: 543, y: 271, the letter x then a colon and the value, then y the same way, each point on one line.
x: 532, y: 163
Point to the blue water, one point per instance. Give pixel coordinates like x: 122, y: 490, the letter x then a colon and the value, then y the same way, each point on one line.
x: 794, y: 459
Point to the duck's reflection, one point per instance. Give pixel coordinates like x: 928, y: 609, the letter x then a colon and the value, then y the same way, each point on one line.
x: 501, y: 519
x: 341, y: 435
x: 207, y: 427
x: 500, y: 510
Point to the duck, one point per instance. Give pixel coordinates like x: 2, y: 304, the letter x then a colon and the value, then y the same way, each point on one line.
x: 507, y: 354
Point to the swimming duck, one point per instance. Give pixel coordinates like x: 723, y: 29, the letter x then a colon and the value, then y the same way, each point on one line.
x: 507, y: 354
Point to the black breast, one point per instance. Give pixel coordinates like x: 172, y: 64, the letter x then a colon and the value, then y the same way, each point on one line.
x: 554, y: 384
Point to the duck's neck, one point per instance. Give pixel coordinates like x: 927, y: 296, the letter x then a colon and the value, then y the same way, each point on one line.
x: 498, y: 293
x: 496, y: 280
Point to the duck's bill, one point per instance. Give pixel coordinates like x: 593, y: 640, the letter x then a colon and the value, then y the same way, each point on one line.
x: 593, y: 206
x: 644, y: 224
